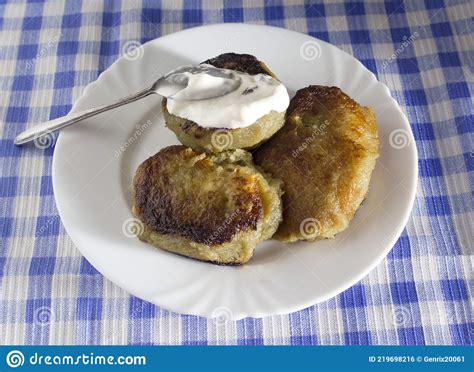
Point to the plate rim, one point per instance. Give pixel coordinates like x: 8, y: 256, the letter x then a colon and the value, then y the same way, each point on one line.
x: 238, y: 315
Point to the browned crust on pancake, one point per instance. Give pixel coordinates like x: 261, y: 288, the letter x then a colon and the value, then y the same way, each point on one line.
x: 240, y: 62
x: 318, y: 97
x: 173, y: 197
x: 214, y: 262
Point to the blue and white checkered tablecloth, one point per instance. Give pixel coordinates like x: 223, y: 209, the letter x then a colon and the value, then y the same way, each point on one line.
x: 420, y: 294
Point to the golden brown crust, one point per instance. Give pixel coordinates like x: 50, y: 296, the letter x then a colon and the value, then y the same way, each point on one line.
x: 240, y: 62
x: 179, y: 191
x: 324, y: 154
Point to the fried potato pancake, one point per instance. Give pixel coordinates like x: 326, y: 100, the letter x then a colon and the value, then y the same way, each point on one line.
x: 324, y: 154
x: 213, y: 208
x: 215, y: 140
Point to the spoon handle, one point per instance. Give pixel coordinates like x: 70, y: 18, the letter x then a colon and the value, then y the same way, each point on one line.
x: 52, y: 125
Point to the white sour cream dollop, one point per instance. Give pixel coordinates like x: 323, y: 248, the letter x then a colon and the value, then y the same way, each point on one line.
x: 256, y: 96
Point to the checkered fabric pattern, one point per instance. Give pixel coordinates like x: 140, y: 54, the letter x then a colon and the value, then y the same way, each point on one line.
x: 420, y: 294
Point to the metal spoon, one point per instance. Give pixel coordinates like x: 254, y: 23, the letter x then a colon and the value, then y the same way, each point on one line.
x: 167, y: 86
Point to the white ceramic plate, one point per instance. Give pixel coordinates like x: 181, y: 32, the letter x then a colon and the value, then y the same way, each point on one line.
x: 94, y: 163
